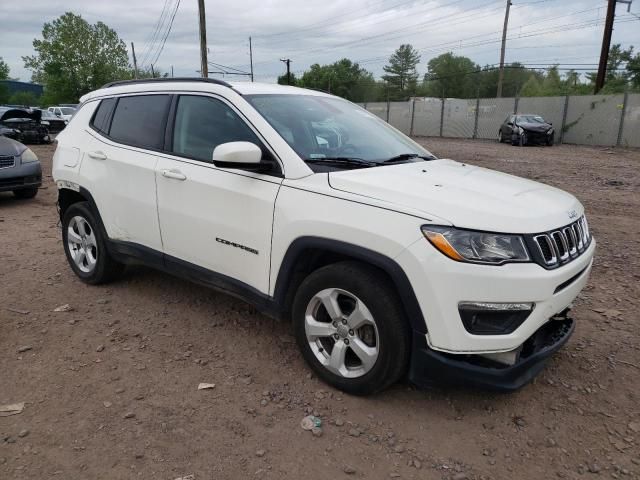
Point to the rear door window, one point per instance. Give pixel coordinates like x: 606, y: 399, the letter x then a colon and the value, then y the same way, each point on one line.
x: 140, y: 121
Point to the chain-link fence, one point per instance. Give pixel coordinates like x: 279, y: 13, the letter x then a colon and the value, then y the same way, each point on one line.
x: 582, y: 120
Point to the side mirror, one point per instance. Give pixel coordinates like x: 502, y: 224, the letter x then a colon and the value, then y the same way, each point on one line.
x: 245, y: 155
x: 550, y: 123
x: 510, y: 124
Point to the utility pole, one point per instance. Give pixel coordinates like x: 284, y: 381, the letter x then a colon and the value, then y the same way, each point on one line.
x: 251, y: 58
x: 153, y: 74
x: 171, y: 71
x: 502, y: 49
x: 135, y: 62
x: 606, y: 44
x: 204, y: 66
x: 288, y: 62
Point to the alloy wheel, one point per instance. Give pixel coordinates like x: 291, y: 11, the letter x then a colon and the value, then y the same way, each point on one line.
x: 341, y: 333
x: 82, y: 244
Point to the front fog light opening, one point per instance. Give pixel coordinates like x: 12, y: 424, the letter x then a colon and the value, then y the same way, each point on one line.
x: 486, y: 318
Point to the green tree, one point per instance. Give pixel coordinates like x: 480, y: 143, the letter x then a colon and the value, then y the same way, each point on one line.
x: 343, y: 78
x: 617, y: 79
x: 451, y: 75
x: 74, y: 57
x: 402, y: 75
x: 4, y: 69
x: 633, y: 71
x: 515, y: 76
x: 531, y: 88
x: 4, y: 75
x: 552, y: 84
x: 282, y: 79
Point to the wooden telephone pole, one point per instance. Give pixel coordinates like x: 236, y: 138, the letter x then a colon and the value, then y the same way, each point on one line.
x: 251, y: 58
x: 606, y: 45
x: 502, y: 49
x: 204, y: 66
x: 135, y: 62
x: 288, y: 62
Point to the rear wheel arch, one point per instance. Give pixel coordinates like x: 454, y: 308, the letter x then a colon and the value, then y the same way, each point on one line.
x: 67, y: 197
x: 307, y: 254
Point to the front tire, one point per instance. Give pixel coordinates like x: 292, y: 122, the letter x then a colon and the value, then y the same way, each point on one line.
x: 500, y: 139
x: 85, y: 246
x: 550, y: 140
x: 26, y: 193
x: 351, y: 328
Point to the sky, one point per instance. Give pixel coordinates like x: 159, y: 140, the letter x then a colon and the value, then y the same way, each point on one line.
x: 541, y: 32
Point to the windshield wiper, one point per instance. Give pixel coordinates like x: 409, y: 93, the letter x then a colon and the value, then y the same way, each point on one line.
x: 407, y: 156
x: 342, y: 160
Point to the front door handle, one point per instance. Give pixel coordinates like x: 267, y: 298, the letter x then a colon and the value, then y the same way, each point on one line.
x: 175, y: 174
x: 97, y: 155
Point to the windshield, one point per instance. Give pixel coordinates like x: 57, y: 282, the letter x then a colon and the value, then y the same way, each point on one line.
x: 529, y: 119
x: 332, y: 128
x: 67, y: 110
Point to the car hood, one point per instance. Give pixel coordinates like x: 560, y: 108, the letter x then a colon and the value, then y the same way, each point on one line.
x: 534, y: 127
x: 17, y: 113
x: 465, y: 195
x: 10, y: 147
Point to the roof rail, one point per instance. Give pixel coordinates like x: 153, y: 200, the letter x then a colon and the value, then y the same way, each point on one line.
x: 166, y: 79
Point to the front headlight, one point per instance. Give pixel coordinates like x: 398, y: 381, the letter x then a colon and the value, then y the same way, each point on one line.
x: 476, y: 247
x: 520, y: 131
x: 28, y: 156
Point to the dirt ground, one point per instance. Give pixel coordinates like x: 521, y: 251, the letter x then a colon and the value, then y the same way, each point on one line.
x: 110, y: 388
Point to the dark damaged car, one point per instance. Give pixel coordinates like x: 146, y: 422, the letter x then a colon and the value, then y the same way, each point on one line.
x: 53, y: 123
x: 23, y: 125
x: 526, y: 129
x: 20, y: 170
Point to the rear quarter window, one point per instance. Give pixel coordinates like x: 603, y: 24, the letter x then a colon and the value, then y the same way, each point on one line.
x: 140, y: 121
x: 100, y: 120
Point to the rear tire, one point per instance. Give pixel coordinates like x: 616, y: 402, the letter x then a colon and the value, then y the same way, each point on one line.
x: 361, y: 343
x: 26, y: 193
x: 85, y: 246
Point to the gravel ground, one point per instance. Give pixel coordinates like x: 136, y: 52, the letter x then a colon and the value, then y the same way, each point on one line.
x: 110, y: 387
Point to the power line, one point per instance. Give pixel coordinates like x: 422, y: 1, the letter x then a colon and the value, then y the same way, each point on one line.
x: 150, y: 44
x: 399, y: 32
x: 173, y: 16
x: 445, y: 20
x: 323, y: 23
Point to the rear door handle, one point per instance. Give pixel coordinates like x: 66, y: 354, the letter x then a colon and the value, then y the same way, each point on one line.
x: 175, y: 174
x: 98, y: 155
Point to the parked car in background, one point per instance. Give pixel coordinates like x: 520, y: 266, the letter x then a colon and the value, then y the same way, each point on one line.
x: 24, y: 125
x: 526, y: 129
x: 63, y: 112
x: 20, y: 170
x: 53, y: 123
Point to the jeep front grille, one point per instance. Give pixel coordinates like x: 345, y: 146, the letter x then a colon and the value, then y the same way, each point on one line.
x: 563, y: 245
x: 7, y: 161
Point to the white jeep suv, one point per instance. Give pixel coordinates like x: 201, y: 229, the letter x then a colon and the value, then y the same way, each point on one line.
x: 388, y: 261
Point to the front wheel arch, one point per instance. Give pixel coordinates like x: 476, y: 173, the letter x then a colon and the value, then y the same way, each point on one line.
x: 307, y: 254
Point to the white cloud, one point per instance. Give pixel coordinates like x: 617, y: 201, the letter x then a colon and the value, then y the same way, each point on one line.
x: 314, y: 31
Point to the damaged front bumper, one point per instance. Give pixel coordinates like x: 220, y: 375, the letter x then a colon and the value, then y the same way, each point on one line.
x: 429, y: 367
